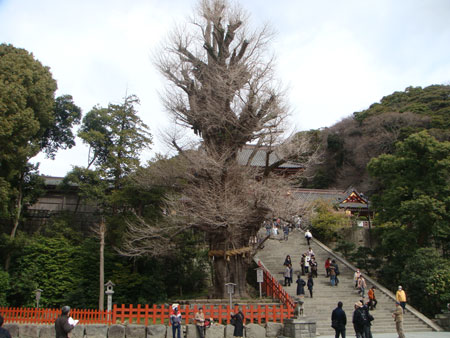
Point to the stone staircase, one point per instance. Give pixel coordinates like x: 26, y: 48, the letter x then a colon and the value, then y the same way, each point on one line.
x: 326, y: 297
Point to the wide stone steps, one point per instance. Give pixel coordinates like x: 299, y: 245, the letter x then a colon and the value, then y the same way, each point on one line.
x: 326, y: 297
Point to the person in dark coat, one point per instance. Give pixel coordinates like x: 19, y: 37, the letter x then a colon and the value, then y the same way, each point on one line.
x: 310, y: 285
x: 300, y: 286
x: 4, y: 333
x: 238, y: 323
x: 359, y: 320
x: 62, y: 326
x: 339, y: 320
x: 368, y: 322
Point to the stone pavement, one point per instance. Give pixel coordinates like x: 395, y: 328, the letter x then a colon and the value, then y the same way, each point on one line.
x: 351, y: 333
x: 325, y: 296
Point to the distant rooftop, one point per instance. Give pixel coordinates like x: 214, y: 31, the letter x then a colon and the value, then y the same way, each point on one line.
x: 259, y: 160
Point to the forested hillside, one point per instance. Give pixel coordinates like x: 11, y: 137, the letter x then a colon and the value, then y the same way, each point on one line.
x: 349, y: 145
x: 398, y: 153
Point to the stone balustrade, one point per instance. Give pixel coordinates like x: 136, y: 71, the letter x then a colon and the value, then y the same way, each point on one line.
x: 270, y: 330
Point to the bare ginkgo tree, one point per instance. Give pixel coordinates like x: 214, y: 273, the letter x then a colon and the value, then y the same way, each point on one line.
x: 221, y: 85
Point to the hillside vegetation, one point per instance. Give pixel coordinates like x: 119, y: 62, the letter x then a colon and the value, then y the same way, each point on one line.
x: 350, y: 144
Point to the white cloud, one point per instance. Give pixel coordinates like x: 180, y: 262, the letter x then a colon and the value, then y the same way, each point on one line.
x: 336, y: 57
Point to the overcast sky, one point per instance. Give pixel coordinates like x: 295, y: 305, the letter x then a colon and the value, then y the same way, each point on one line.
x: 335, y: 57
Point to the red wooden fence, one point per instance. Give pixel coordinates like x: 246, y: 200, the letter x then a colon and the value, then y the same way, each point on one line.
x: 159, y: 314
x: 273, y: 288
x: 147, y: 315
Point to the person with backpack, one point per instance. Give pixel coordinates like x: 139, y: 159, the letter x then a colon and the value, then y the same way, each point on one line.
x: 359, y: 320
x: 368, y: 322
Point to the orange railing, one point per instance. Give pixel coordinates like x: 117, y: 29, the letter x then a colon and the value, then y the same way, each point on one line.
x: 146, y: 314
x: 48, y: 316
x: 273, y: 288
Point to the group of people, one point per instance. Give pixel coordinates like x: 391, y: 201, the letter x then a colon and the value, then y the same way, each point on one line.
x: 237, y: 320
x: 362, y: 320
x: 276, y: 227
x: 308, y: 263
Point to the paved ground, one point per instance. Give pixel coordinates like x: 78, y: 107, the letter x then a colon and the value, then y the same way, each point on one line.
x: 351, y: 333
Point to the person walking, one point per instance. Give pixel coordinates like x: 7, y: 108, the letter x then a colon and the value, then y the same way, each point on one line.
x: 313, y: 265
x: 310, y: 285
x: 327, y: 266
x: 308, y: 236
x: 400, y: 296
x: 307, y: 260
x: 359, y: 319
x: 362, y: 286
x: 62, y: 326
x: 302, y: 264
x: 368, y: 321
x: 175, y: 321
x: 287, y: 276
x: 398, y: 318
x: 300, y: 286
x: 238, y: 320
x: 339, y: 320
x: 332, y: 275
x: 356, y: 277
x: 286, y: 232
x: 372, y: 299
x: 4, y: 333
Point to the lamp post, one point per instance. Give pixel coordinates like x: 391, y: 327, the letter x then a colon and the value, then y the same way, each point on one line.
x: 38, y: 296
x: 230, y: 291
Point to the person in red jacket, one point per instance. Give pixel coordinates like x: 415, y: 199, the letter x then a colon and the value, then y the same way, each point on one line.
x: 327, y: 266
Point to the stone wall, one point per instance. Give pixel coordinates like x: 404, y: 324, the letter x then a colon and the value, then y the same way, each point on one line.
x: 443, y: 320
x: 270, y: 330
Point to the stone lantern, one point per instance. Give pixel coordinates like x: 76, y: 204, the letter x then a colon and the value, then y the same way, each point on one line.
x: 109, y: 292
x: 38, y: 296
x: 230, y: 291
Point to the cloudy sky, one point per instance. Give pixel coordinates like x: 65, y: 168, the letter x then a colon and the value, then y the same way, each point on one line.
x: 335, y: 57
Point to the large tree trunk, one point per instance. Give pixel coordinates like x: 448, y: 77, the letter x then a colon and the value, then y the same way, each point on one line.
x: 234, y: 271
x: 101, y: 296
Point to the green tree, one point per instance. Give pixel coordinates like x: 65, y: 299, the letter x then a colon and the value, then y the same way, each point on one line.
x: 415, y: 188
x: 327, y: 221
x: 44, y: 263
x: 116, y: 136
x: 31, y: 121
x: 426, y: 276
